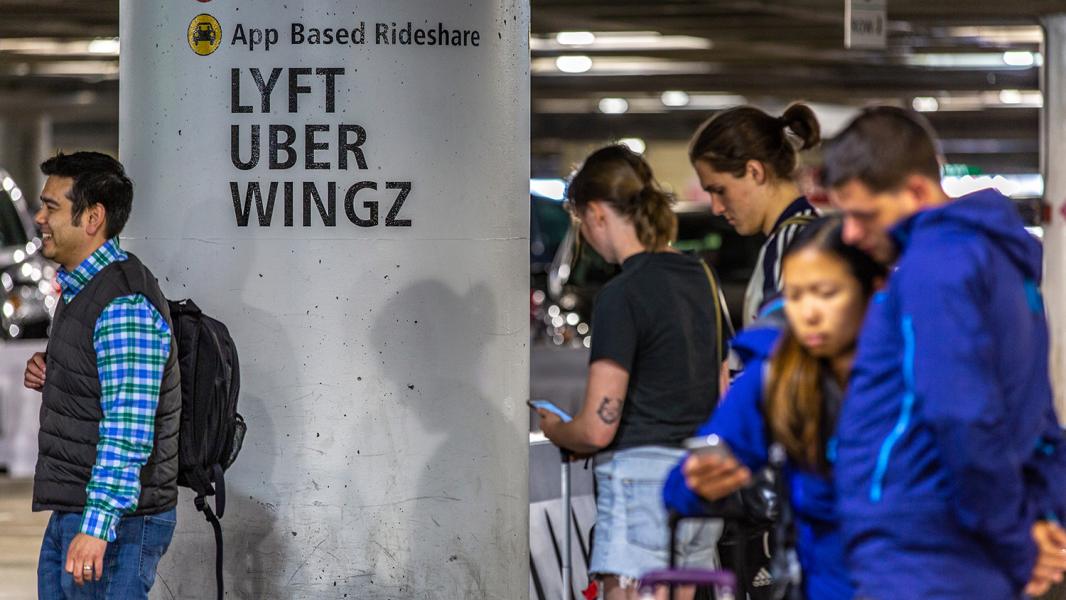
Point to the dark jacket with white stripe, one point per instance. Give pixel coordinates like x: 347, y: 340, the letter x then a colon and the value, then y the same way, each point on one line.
x: 765, y: 283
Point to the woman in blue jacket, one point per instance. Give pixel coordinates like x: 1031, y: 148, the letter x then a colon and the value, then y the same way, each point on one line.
x: 790, y: 393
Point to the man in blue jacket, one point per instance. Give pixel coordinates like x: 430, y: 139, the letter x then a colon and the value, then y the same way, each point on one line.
x: 950, y: 459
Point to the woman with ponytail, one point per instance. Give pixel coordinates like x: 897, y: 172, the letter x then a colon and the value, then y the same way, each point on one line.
x: 745, y: 160
x: 657, y: 345
x: 791, y: 395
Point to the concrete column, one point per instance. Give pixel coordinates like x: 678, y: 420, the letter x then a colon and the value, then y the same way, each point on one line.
x: 43, y: 147
x: 8, y: 146
x: 15, y: 136
x: 1053, y: 163
x: 369, y: 253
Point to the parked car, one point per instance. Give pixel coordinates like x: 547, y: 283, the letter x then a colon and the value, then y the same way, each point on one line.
x: 28, y: 280
x: 564, y: 278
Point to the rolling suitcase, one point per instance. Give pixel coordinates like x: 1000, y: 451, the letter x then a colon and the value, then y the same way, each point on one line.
x: 722, y: 582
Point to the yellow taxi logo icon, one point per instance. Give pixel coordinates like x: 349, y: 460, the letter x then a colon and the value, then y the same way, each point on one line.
x: 205, y: 34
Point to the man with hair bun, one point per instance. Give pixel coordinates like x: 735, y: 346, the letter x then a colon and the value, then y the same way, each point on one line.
x: 950, y: 462
x: 745, y: 160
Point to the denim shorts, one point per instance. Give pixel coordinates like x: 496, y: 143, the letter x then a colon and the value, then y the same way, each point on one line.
x: 632, y: 529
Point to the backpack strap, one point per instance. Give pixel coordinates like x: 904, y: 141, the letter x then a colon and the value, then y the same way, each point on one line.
x: 219, y: 479
x: 204, y: 507
x: 212, y: 516
x: 719, y: 351
x: 722, y: 319
x: 800, y: 219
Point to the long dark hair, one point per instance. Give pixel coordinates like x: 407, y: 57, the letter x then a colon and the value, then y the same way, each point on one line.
x: 729, y: 139
x: 621, y: 178
x: 795, y: 406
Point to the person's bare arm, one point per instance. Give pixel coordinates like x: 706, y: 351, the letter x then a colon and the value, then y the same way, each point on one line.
x: 596, y: 424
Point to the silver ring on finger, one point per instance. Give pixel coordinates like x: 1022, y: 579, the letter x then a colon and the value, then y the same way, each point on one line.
x: 87, y: 568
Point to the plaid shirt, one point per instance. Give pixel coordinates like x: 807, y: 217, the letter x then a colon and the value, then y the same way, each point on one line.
x: 132, y: 342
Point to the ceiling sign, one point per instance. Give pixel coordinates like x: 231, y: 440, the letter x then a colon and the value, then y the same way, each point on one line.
x: 865, y: 23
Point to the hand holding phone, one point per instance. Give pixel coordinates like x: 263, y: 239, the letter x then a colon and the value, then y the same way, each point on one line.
x: 711, y: 470
x: 708, y: 445
x: 548, y: 406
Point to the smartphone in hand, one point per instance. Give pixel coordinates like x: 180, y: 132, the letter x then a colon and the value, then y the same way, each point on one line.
x: 548, y: 406
x: 710, y: 444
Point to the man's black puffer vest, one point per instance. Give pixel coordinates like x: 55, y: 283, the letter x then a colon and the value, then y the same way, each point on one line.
x: 71, y: 412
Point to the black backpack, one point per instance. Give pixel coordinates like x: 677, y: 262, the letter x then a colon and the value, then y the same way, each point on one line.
x: 211, y: 431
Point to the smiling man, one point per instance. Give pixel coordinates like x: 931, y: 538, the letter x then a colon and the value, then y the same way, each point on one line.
x: 108, y: 444
x: 950, y: 463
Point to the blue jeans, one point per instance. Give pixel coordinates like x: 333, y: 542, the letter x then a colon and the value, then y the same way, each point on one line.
x: 129, y: 562
x: 632, y: 530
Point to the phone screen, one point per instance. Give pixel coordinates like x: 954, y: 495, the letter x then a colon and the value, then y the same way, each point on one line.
x: 548, y: 406
x: 708, y: 444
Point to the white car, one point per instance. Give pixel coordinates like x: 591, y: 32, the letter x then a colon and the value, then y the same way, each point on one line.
x: 28, y: 280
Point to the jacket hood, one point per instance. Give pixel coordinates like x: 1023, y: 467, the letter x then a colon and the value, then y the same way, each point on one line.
x: 758, y: 339
x: 988, y: 213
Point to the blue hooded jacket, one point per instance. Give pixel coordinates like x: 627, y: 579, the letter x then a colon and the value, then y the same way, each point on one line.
x: 739, y: 421
x: 948, y: 448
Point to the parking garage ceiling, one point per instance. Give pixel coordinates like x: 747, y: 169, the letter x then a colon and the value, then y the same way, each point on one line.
x: 671, y: 61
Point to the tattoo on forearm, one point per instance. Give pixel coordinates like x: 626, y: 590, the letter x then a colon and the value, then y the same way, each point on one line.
x: 610, y: 410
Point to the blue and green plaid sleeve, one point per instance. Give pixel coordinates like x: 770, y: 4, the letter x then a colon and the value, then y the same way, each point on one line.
x: 132, y: 343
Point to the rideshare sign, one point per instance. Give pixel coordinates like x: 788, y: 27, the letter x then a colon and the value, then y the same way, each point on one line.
x: 326, y: 143
x: 344, y: 184
x: 322, y: 145
x: 310, y: 115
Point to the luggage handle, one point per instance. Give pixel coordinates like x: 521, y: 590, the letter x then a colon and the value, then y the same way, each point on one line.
x: 564, y: 493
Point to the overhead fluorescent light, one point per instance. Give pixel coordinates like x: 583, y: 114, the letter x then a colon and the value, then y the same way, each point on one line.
x: 925, y: 104
x: 972, y: 60
x: 647, y: 66
x: 56, y: 47
x: 75, y: 68
x: 635, y: 144
x: 974, y: 101
x: 616, y: 65
x: 635, y: 104
x: 553, y: 189
x: 1010, y: 97
x: 613, y: 106
x: 575, y: 38
x: 104, y: 46
x: 1006, y: 35
x: 617, y: 40
x: 714, y: 101
x: 573, y: 64
x: 1019, y: 59
x: 674, y: 99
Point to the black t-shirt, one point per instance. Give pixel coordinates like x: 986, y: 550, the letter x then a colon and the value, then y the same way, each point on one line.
x: 657, y: 320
